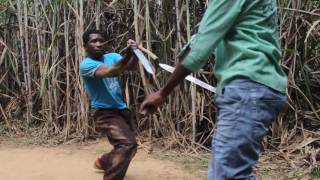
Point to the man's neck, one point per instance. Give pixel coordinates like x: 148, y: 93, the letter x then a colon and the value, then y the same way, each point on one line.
x: 97, y: 58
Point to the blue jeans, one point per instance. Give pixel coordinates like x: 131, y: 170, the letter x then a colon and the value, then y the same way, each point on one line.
x: 246, y: 110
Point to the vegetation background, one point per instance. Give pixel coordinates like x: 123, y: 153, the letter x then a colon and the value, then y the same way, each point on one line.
x: 42, y: 96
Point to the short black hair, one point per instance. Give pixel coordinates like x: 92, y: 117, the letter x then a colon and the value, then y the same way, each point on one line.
x: 86, y: 35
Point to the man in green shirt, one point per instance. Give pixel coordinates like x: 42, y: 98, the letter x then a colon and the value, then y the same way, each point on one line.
x: 251, y: 88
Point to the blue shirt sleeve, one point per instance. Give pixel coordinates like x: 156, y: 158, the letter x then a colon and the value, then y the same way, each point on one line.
x: 114, y: 56
x: 88, y: 67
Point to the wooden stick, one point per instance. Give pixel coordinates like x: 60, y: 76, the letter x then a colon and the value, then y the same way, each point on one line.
x: 151, y: 54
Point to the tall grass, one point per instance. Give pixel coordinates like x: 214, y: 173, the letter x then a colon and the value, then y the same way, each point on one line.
x: 41, y: 92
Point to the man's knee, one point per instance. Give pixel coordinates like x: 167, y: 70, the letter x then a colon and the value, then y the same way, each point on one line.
x: 130, y: 146
x: 133, y: 146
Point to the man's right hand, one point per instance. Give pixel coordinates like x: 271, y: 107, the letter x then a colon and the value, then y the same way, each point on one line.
x: 131, y: 43
x: 151, y: 103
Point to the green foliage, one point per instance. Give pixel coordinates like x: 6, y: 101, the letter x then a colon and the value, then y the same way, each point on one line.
x: 315, y: 174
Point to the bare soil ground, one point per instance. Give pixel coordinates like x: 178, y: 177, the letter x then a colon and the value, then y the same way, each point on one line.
x: 75, y: 162
x: 23, y: 160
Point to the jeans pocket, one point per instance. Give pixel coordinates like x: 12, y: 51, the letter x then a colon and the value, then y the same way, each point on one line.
x: 265, y: 112
x: 275, y: 102
x: 231, y: 94
x: 269, y: 94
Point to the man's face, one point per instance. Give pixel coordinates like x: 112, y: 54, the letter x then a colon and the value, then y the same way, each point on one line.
x: 95, y: 45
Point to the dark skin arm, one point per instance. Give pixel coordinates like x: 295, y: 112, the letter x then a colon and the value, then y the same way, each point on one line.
x: 154, y: 100
x: 126, y: 62
x: 112, y: 71
x: 132, y: 64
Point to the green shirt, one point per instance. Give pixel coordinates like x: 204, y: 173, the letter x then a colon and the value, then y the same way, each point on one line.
x: 244, y: 35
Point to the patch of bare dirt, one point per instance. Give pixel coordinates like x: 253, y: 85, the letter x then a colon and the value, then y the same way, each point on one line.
x: 75, y: 162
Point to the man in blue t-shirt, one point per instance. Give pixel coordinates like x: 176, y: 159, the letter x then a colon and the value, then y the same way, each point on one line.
x: 99, y: 73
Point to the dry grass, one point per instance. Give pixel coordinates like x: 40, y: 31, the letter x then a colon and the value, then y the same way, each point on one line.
x: 41, y: 92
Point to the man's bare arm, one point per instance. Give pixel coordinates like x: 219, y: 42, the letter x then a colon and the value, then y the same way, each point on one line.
x: 154, y: 100
x: 127, y: 62
x: 114, y: 70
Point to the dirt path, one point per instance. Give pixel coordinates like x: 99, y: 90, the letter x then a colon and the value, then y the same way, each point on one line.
x: 74, y: 162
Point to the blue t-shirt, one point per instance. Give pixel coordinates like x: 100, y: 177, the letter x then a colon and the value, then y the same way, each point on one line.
x: 103, y: 92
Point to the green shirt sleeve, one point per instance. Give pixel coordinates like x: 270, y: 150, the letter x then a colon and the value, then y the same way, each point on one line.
x: 216, y: 22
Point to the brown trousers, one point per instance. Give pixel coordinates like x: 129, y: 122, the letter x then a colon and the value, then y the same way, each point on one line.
x: 119, y: 127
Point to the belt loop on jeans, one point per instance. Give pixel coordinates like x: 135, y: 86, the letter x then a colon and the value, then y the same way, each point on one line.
x: 222, y: 91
